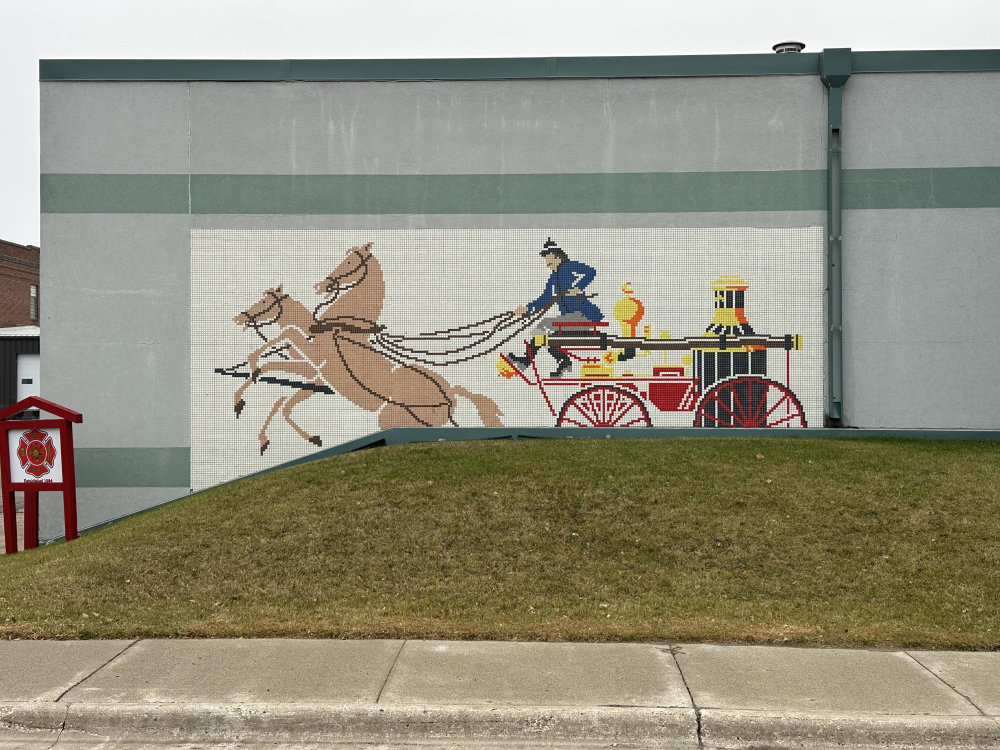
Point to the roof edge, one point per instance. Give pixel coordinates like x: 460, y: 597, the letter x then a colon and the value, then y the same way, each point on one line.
x: 428, y: 69
x: 419, y: 69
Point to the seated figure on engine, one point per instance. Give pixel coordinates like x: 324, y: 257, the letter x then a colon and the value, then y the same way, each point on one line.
x: 565, y: 285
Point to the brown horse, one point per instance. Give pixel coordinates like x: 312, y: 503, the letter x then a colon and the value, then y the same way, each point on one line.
x: 330, y: 346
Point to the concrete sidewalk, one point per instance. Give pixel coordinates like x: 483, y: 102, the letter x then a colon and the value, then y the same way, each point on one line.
x: 407, y: 694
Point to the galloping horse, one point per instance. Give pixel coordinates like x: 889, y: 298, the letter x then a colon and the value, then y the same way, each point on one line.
x: 330, y: 346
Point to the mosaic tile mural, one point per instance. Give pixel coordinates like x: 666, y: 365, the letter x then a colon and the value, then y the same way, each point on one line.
x: 306, y: 339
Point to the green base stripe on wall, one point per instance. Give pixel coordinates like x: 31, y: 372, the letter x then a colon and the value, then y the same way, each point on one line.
x: 133, y: 467
x: 647, y: 192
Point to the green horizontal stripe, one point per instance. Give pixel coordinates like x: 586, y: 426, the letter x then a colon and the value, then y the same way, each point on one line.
x: 436, y: 194
x: 667, y: 192
x: 805, y: 63
x: 133, y: 467
x: 954, y: 187
x: 654, y: 192
x: 114, y: 193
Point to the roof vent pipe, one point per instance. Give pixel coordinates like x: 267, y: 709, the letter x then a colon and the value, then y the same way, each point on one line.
x: 788, y: 47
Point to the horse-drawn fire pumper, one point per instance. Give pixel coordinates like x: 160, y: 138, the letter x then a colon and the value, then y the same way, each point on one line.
x: 721, y: 376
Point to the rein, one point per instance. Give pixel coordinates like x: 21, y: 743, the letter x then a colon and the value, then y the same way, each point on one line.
x: 254, y: 321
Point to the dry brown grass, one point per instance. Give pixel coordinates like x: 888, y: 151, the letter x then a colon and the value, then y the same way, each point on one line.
x: 833, y: 542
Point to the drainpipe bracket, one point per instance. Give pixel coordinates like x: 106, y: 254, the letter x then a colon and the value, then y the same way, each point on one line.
x: 835, y: 67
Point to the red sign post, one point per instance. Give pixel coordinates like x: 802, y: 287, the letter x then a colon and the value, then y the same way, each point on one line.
x: 37, y: 455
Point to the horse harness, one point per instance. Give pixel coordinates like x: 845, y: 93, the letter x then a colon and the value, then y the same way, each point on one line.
x: 254, y: 319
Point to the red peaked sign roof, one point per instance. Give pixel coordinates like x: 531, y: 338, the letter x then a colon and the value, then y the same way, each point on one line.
x: 44, y: 405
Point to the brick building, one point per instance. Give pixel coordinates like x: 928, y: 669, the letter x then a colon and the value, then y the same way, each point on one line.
x: 19, y: 296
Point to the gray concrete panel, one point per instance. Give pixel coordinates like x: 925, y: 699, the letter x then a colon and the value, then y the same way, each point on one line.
x: 44, y: 670
x: 116, y: 319
x: 261, y: 671
x: 974, y: 675
x: 919, y: 347
x: 98, y: 505
x: 107, y: 128
x: 510, y: 127
x: 814, y: 680
x: 511, y: 221
x: 921, y: 276
x: 922, y: 120
x: 545, y: 674
x: 904, y: 385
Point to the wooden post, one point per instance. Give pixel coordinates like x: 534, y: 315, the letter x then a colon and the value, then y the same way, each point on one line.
x: 30, y: 519
x: 9, y: 523
x: 69, y: 484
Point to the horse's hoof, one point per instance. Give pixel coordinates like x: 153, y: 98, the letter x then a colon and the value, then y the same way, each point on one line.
x: 256, y: 374
x: 263, y: 446
x: 239, y: 407
x: 316, y: 441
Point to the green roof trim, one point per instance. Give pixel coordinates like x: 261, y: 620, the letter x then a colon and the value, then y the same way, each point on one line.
x: 929, y: 61
x: 427, y: 69
x: 658, y: 66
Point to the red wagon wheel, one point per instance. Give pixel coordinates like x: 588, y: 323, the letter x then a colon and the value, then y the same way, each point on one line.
x: 603, y: 406
x: 749, y: 402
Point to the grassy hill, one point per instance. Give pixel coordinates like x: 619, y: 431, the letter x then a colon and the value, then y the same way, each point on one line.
x: 811, y: 541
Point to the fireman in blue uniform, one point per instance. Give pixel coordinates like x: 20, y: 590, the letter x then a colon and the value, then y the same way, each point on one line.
x: 565, y: 285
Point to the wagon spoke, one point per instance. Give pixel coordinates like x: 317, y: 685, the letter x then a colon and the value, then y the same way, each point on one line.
x: 741, y: 415
x: 778, y: 403
x: 716, y: 399
x: 604, y: 406
x: 784, y: 420
x: 584, y: 414
x: 745, y: 402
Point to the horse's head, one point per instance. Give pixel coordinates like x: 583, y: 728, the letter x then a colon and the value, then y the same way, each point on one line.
x: 351, y: 272
x: 264, y: 311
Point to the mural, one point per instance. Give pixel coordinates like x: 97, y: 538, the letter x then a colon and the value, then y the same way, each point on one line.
x: 304, y: 339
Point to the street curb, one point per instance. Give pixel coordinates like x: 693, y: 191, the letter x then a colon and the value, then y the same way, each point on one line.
x: 321, y: 724
x: 607, y: 727
x: 33, y: 715
x: 741, y: 730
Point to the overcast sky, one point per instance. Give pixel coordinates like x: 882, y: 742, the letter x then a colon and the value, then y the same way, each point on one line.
x: 275, y: 29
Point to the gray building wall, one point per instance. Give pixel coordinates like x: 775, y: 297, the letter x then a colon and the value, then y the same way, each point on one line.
x: 919, y: 282
x: 130, y: 167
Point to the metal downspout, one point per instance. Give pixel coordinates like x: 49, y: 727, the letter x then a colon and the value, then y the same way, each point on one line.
x: 835, y: 69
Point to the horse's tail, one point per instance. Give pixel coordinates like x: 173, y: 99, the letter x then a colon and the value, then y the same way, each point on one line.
x: 489, y: 412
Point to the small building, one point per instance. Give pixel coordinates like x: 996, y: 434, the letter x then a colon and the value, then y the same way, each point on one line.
x: 19, y: 300
x: 19, y: 364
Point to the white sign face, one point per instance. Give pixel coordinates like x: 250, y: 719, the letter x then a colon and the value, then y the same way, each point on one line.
x: 35, y: 455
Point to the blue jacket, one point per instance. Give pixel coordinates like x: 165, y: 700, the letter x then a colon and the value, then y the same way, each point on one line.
x: 569, y: 274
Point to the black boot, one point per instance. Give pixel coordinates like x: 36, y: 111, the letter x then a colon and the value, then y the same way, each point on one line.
x: 520, y: 361
x: 564, y: 365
